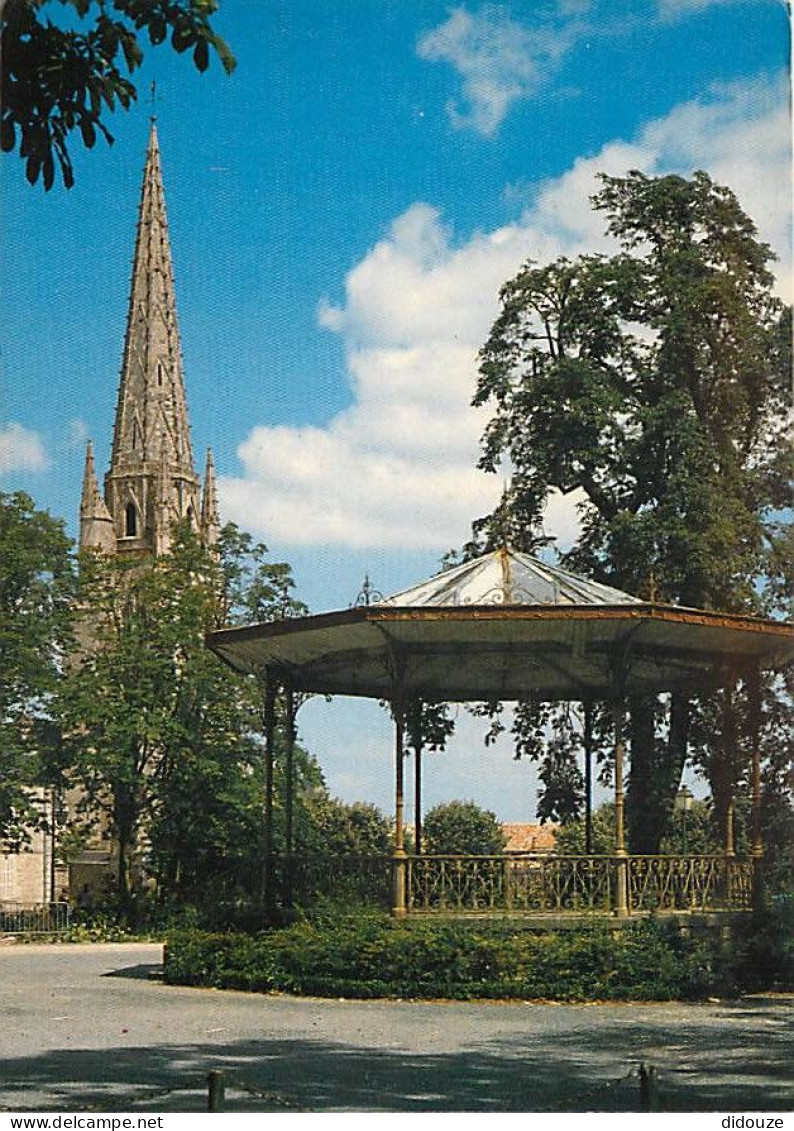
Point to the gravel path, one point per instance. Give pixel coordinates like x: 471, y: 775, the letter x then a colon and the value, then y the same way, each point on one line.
x: 89, y: 1028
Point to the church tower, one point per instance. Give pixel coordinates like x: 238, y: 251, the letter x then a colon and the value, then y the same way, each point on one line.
x: 152, y: 481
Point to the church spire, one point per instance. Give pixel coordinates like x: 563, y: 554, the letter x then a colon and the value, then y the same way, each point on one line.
x: 96, y: 521
x: 151, y: 428
x: 210, y: 519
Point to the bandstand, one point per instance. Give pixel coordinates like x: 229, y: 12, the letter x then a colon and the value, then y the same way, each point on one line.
x: 507, y: 626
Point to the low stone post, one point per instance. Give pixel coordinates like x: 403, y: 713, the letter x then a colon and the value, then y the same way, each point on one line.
x: 647, y: 1088
x: 216, y: 1090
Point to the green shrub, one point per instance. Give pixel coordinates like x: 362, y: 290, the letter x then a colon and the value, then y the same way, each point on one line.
x: 371, y: 955
x: 762, y: 956
x: 462, y: 828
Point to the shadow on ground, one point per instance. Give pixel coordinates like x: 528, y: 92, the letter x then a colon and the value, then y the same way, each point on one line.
x: 697, y: 1070
x: 145, y: 971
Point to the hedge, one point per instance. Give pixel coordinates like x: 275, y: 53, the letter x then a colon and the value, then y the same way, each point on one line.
x: 371, y: 955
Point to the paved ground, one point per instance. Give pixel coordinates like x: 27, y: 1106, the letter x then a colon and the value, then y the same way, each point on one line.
x: 86, y: 1028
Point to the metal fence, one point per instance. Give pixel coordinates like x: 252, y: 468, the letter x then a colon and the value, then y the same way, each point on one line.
x: 690, y: 883
x: 33, y: 919
x: 522, y: 882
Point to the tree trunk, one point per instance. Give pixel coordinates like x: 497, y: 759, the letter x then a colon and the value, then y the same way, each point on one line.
x: 655, y: 772
x: 640, y: 795
x: 722, y: 769
x: 123, y: 881
x: 125, y: 821
x: 677, y: 749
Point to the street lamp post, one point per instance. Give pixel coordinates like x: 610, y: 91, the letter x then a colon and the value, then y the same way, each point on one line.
x: 683, y: 803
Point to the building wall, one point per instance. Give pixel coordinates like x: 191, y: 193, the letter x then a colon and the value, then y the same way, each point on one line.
x: 25, y: 876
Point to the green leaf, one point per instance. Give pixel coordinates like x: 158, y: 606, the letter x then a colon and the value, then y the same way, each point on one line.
x: 133, y: 55
x: 48, y: 169
x: 8, y: 134
x: 201, y: 55
x: 228, y: 61
x: 32, y: 168
x: 157, y: 29
x: 182, y: 37
x: 88, y: 132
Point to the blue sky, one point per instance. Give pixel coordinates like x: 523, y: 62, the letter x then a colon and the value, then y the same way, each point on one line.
x: 343, y: 210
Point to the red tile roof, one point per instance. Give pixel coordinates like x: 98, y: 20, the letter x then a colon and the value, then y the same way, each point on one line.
x: 529, y: 838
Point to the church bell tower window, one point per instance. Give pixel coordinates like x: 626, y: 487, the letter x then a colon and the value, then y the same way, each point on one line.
x: 131, y: 521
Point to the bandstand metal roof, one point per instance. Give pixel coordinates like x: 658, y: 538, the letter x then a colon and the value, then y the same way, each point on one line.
x: 507, y: 626
x: 507, y: 577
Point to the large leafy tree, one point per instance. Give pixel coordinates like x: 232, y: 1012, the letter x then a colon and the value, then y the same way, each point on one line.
x: 462, y: 828
x: 654, y: 383
x: 338, y: 828
x: 66, y: 62
x: 36, y: 588
x: 162, y: 737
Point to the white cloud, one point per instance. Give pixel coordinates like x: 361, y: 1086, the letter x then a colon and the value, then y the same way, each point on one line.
x: 397, y: 468
x: 498, y: 59
x: 742, y: 137
x: 21, y: 449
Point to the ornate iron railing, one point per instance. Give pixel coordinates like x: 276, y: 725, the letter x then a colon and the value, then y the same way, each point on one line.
x: 523, y: 882
x: 24, y: 919
x: 690, y: 883
x: 519, y: 882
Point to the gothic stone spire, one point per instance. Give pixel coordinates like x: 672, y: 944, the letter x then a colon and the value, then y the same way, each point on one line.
x: 151, y: 414
x: 210, y: 519
x: 96, y: 521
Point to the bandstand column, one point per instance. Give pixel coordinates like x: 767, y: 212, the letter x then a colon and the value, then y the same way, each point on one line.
x: 416, y: 724
x: 754, y: 693
x: 418, y: 800
x: 269, y: 726
x: 289, y: 792
x: 399, y: 856
x: 588, y: 776
x: 757, y: 841
x: 729, y: 741
x: 622, y: 868
x: 730, y: 850
x: 289, y: 760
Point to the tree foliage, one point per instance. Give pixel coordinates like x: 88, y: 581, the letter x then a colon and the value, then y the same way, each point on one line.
x: 36, y: 589
x: 338, y: 828
x: 162, y: 737
x: 650, y: 382
x: 61, y: 79
x: 253, y: 589
x: 689, y: 831
x: 571, y: 838
x: 462, y: 828
x: 654, y: 383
